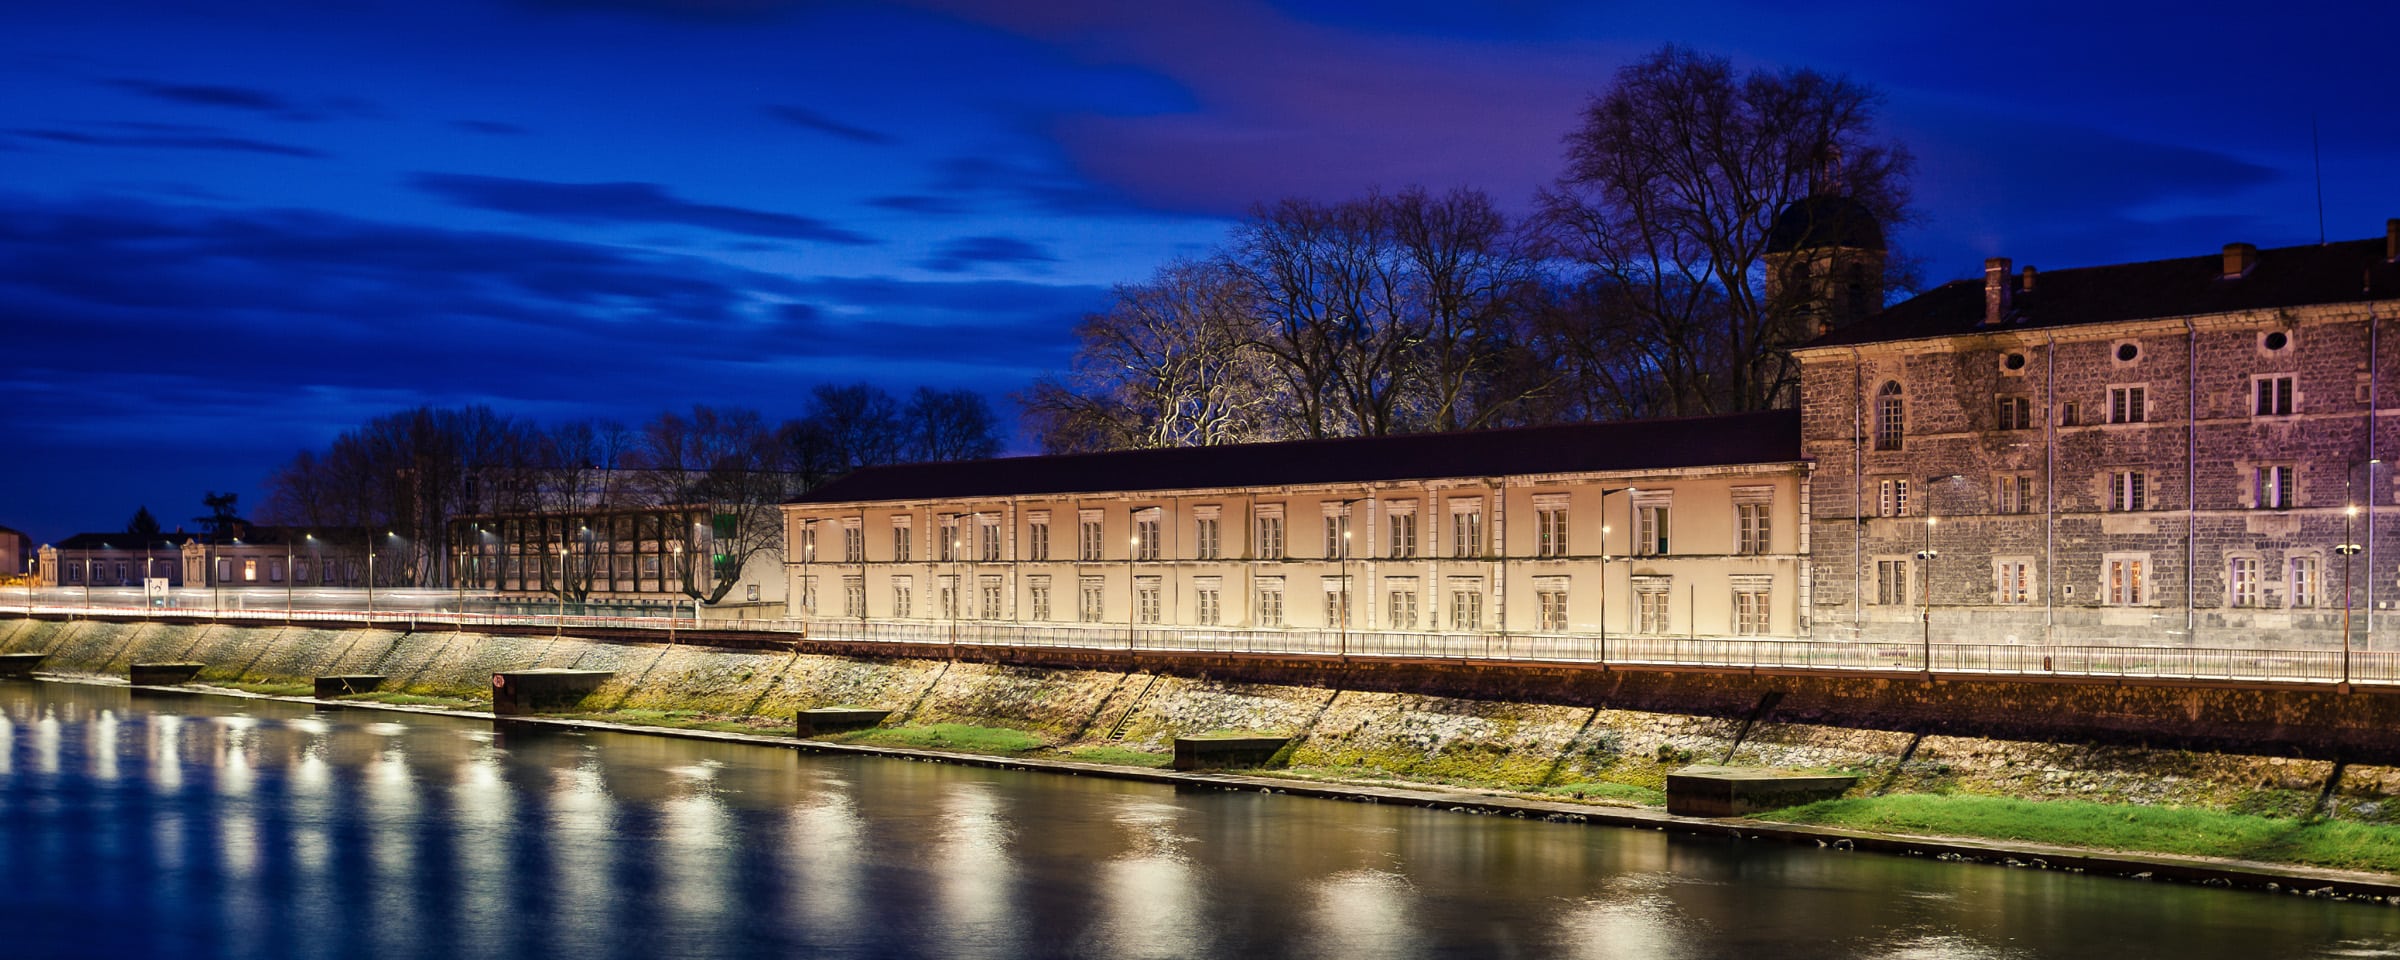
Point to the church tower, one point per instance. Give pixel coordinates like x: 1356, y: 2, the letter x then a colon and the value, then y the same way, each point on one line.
x: 1824, y: 259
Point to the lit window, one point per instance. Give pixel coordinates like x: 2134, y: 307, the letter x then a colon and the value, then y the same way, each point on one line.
x: 2122, y: 581
x: 2304, y: 581
x: 2242, y: 582
x: 1650, y: 529
x: 2012, y: 581
x: 2013, y: 493
x: 1550, y: 530
x: 1891, y: 498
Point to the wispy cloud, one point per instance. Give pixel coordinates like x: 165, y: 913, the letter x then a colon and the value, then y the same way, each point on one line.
x: 625, y: 203
x: 965, y: 252
x: 171, y: 141
x: 811, y: 120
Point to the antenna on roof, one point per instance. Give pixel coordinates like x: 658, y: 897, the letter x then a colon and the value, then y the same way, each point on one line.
x: 2317, y: 153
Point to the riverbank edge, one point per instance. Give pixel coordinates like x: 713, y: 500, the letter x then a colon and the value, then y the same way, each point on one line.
x: 2205, y: 871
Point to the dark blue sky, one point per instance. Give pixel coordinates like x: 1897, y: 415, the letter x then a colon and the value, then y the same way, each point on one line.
x: 228, y: 231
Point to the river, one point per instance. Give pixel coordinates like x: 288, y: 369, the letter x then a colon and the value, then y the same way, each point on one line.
x: 164, y: 825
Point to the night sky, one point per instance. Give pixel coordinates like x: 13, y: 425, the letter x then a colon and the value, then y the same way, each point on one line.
x: 228, y: 231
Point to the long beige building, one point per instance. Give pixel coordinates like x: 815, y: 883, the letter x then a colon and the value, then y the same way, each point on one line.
x: 1681, y: 528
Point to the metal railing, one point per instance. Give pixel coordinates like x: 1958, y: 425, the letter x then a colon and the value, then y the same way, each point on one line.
x: 2265, y: 665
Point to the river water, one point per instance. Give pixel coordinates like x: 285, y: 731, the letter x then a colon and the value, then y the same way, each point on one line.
x: 147, y: 825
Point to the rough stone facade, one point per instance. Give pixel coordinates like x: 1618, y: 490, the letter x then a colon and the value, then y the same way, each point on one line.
x: 2211, y: 511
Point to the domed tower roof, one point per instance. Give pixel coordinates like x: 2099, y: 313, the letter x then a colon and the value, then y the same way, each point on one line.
x: 1824, y: 220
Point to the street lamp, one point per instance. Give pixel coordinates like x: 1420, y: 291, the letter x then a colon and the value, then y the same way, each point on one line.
x: 2348, y: 548
x: 1602, y: 658
x: 1132, y: 595
x: 1343, y: 510
x: 562, y: 592
x: 287, y: 574
x: 1927, y: 555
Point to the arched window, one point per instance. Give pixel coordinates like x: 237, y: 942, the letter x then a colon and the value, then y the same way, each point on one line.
x: 1889, y: 416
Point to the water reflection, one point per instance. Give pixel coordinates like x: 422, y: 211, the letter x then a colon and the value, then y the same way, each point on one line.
x: 191, y: 827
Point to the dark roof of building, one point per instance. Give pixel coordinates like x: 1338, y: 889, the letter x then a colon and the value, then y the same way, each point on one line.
x: 121, y: 540
x: 1824, y: 220
x: 2350, y: 271
x: 1745, y: 438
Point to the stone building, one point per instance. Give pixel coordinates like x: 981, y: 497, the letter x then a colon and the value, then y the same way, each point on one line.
x: 1666, y: 528
x: 2185, y: 451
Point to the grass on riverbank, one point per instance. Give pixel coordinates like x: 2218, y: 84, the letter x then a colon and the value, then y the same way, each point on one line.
x: 268, y: 688
x: 2188, y: 831
x: 997, y: 741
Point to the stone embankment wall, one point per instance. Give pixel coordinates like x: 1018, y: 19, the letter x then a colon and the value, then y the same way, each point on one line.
x: 1530, y: 729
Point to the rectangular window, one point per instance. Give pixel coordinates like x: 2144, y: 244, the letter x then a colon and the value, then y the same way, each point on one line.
x: 2126, y: 405
x: 951, y: 547
x: 2012, y: 581
x: 1891, y: 582
x: 2128, y: 490
x: 1337, y: 603
x: 808, y: 541
x: 1404, y: 535
x: 854, y: 597
x: 1205, y: 603
x: 250, y: 570
x: 2070, y: 413
x: 1551, y: 600
x: 2122, y: 583
x: 300, y: 569
x: 1091, y: 599
x: 900, y: 543
x: 1550, y: 530
x: 1145, y: 535
x: 1037, y: 542
x: 1145, y: 599
x: 1650, y: 529
x: 2016, y: 413
x: 946, y: 591
x: 989, y: 589
x: 1337, y: 535
x: 2304, y: 581
x: 1751, y: 616
x: 1402, y: 612
x: 1270, y: 603
x: 2241, y: 582
x: 1891, y: 497
x: 854, y: 545
x: 1466, y: 533
x: 988, y: 529
x: 1753, y: 535
x: 1207, y: 539
x: 1088, y: 541
x: 2271, y: 487
x: 2013, y: 493
x: 1466, y: 606
x: 1270, y: 537
x: 1037, y: 598
x: 903, y: 597
x: 1650, y: 607
x: 2272, y: 396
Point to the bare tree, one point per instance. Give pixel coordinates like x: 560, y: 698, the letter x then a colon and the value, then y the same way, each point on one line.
x: 858, y: 424
x: 718, y: 466
x: 1672, y: 184
x: 1173, y: 362
x: 950, y: 425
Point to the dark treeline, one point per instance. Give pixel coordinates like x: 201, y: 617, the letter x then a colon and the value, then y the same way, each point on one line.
x: 407, y: 475
x: 1636, y: 286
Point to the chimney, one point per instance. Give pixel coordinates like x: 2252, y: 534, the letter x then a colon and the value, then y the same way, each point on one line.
x: 2239, y: 258
x: 1995, y: 290
x: 2391, y: 239
x: 2025, y: 280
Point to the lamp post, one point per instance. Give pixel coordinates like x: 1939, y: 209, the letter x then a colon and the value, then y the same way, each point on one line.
x: 1132, y: 596
x: 1927, y: 555
x: 561, y: 630
x: 2349, y: 548
x: 958, y: 586
x: 680, y: 578
x: 1602, y: 657
x: 1344, y: 599
x: 287, y: 575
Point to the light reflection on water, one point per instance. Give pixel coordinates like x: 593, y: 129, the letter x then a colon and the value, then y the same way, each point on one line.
x: 196, y: 827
